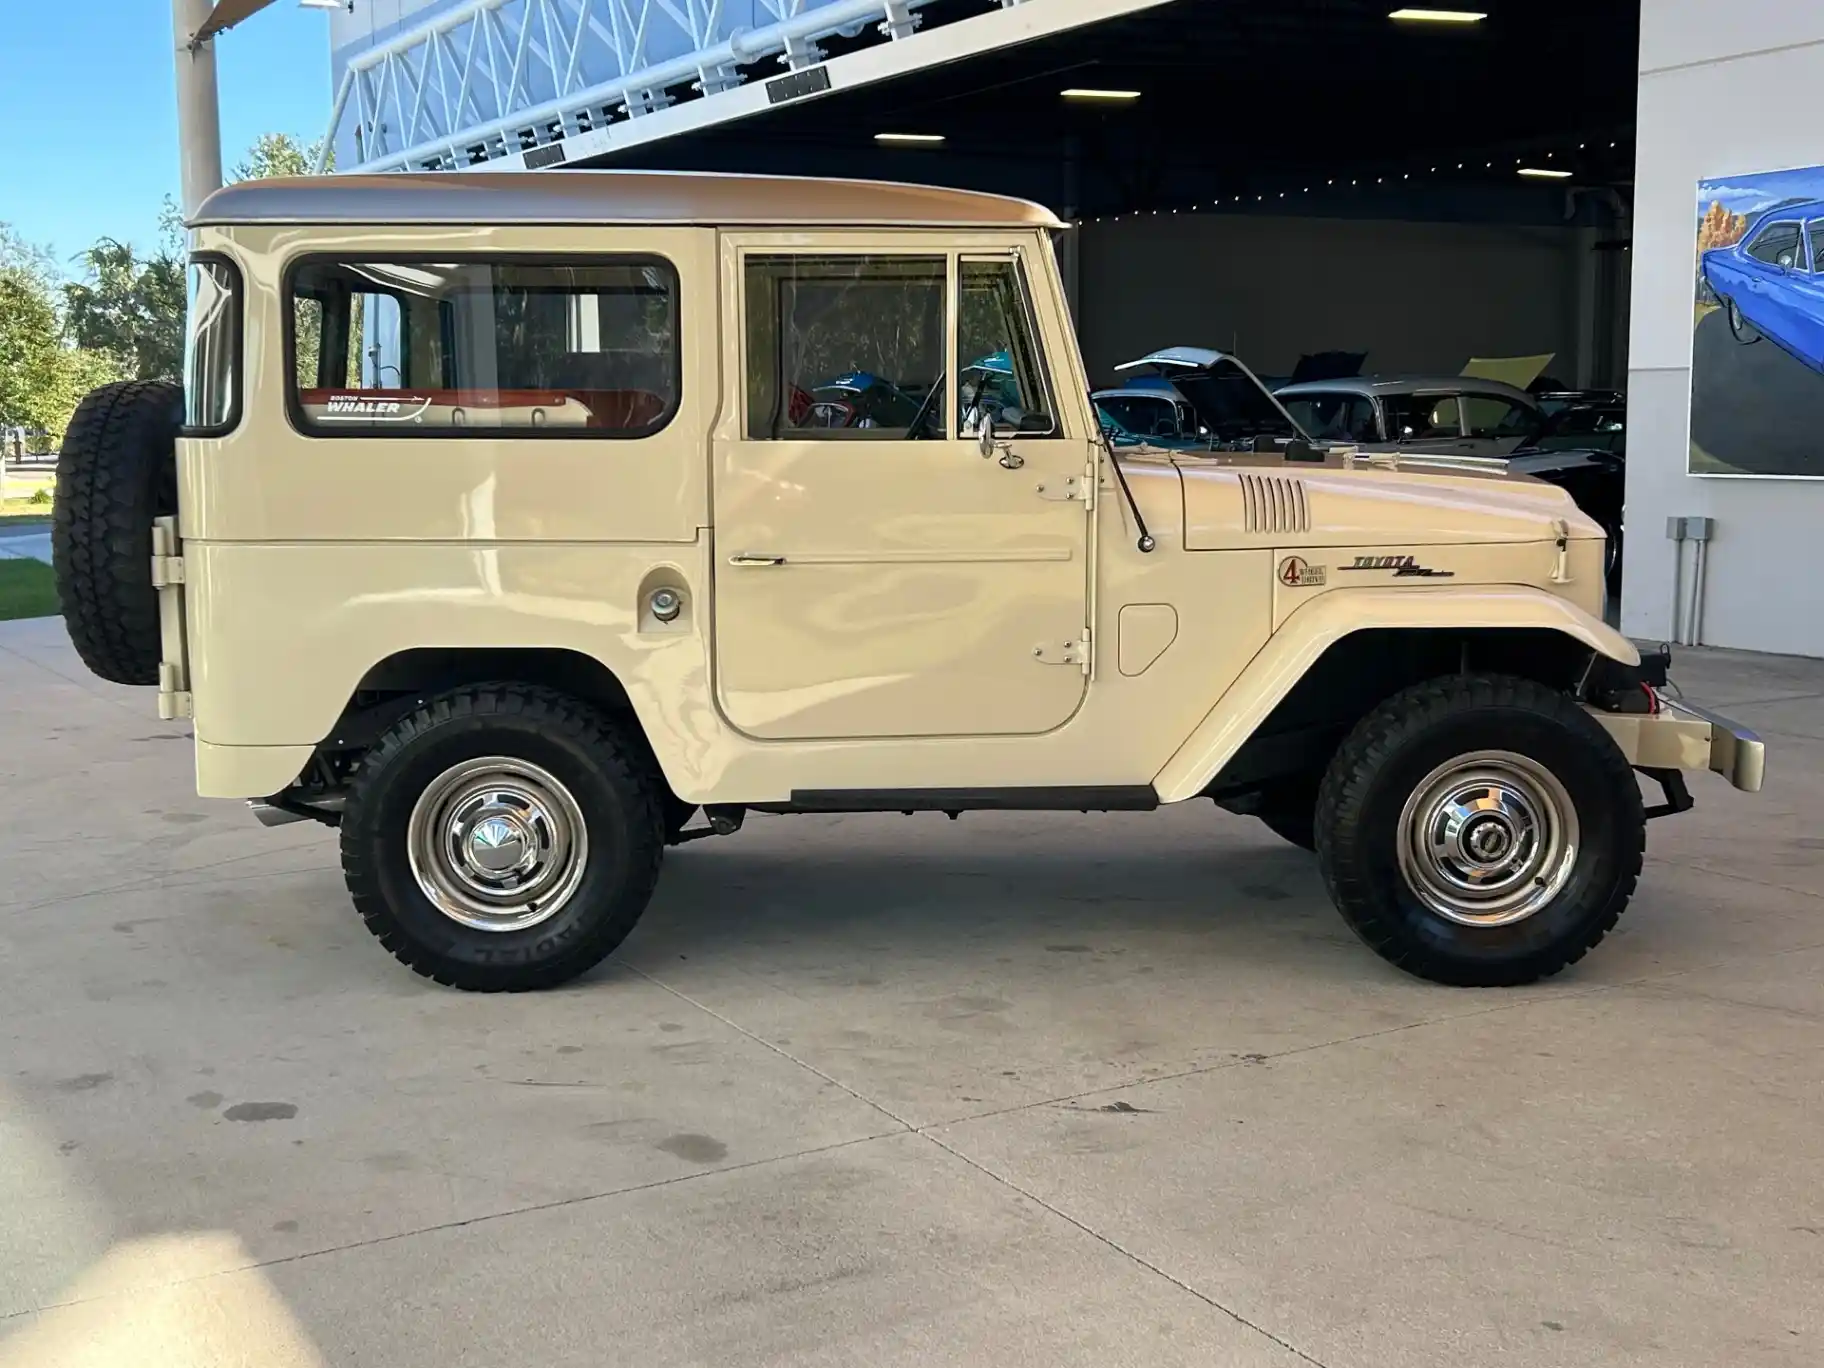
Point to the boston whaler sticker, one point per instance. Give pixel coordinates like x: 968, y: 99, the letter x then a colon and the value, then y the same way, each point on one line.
x: 354, y: 408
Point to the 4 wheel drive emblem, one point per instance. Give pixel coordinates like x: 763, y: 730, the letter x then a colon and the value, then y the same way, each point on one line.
x: 1295, y: 572
x: 1401, y: 566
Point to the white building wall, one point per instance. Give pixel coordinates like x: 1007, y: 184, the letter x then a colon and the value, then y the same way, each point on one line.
x: 1724, y: 88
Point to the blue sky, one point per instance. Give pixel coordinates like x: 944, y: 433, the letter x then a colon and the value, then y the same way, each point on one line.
x: 1749, y: 194
x: 86, y: 86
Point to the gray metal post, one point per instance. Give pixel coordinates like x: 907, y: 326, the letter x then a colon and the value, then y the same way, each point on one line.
x: 199, y: 124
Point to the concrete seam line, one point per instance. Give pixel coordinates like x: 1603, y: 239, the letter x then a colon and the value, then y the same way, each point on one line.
x: 779, y: 1050
x: 1123, y: 1250
x: 441, y: 1226
x: 1199, y: 1070
x: 73, y: 683
x: 1738, y: 878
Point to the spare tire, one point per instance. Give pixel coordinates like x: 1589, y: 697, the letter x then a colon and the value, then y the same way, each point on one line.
x: 117, y: 472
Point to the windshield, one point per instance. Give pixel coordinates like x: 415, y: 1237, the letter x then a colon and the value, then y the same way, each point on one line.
x: 1144, y: 415
x: 1231, y: 404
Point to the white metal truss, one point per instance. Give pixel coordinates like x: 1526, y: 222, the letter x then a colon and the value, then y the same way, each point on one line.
x: 518, y: 84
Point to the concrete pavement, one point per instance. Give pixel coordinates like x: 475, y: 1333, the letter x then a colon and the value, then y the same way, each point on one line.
x: 26, y: 543
x: 1016, y: 1090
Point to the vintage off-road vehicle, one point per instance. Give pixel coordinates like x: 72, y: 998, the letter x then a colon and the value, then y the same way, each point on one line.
x: 497, y: 523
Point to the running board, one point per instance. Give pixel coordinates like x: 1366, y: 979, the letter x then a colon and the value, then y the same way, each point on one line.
x: 1093, y: 798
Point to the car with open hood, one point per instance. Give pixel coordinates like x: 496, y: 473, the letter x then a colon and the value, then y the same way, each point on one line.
x: 614, y: 582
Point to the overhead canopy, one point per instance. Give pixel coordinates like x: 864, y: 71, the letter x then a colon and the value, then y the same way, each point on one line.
x: 226, y: 14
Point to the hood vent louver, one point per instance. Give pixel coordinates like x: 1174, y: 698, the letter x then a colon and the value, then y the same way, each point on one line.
x: 1274, y: 504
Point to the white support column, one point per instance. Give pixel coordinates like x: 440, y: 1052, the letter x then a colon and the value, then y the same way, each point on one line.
x: 199, y: 124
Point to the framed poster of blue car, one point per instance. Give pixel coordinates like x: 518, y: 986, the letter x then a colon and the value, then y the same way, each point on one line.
x: 1757, y: 354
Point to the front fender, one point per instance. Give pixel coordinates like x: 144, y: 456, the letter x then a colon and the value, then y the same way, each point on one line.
x: 1327, y: 619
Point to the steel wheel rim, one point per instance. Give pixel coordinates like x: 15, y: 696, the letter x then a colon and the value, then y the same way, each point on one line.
x: 497, y: 844
x: 1488, y: 839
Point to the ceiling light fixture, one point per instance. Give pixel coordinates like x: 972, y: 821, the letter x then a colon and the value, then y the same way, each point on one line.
x: 1436, y: 16
x: 910, y: 139
x: 1546, y: 172
x: 1091, y: 93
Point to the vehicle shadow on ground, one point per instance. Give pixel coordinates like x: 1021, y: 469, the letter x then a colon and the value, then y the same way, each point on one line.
x: 1754, y: 407
x: 937, y: 900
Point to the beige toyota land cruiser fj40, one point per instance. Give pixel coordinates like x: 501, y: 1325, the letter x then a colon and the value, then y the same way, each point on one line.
x: 521, y: 526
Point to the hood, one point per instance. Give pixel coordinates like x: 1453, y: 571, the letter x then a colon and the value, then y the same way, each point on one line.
x: 1228, y: 398
x: 1234, y: 502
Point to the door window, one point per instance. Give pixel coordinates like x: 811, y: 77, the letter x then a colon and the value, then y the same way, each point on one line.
x: 1002, y: 378
x: 1421, y: 417
x: 844, y: 348
x: 1778, y: 245
x: 1487, y: 415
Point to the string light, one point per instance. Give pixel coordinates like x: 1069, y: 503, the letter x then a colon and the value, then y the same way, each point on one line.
x: 1215, y: 204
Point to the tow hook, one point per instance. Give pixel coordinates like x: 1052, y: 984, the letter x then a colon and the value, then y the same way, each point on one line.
x: 1671, y: 783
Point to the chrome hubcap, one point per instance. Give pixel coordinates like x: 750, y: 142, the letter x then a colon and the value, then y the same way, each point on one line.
x: 497, y: 844
x: 1488, y: 839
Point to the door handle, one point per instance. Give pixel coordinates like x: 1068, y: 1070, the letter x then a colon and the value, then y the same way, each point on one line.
x: 754, y: 558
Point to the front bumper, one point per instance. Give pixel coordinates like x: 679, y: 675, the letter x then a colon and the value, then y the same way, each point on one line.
x: 1683, y: 736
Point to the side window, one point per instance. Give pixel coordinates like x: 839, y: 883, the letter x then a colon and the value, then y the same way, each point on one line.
x: 1778, y: 245
x: 582, y: 348
x: 844, y: 347
x: 1486, y: 416
x: 1814, y: 232
x: 1002, y: 376
x: 1419, y: 417
x: 212, y: 345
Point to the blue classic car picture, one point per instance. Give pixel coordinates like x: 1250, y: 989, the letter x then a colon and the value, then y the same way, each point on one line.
x: 1771, y: 283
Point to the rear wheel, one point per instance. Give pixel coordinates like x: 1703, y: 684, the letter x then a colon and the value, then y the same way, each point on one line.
x: 503, y: 837
x: 1742, y: 330
x: 1480, y: 831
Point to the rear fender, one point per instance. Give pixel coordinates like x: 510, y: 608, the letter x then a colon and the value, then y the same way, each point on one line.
x: 1327, y: 619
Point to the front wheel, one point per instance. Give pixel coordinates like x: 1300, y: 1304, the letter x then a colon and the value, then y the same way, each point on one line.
x: 503, y: 837
x: 1481, y: 831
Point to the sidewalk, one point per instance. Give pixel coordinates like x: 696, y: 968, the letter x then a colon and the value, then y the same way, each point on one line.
x: 26, y: 543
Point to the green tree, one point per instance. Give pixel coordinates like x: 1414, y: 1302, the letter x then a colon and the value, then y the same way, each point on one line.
x: 131, y: 308
x: 278, y: 154
x: 31, y: 351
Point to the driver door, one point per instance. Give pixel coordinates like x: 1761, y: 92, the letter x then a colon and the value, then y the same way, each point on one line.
x: 879, y: 576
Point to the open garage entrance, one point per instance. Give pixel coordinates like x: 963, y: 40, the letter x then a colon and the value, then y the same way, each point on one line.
x: 1280, y: 180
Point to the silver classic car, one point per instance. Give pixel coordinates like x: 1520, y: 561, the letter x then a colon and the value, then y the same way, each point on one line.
x: 1457, y: 415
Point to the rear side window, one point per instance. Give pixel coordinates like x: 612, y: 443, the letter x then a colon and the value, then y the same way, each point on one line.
x: 550, y: 348
x: 212, y: 347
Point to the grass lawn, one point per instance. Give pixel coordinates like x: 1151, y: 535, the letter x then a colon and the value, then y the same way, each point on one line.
x: 27, y: 590
x: 23, y: 512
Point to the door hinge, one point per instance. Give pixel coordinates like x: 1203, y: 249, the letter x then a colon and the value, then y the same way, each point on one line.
x: 1078, y: 487
x: 1078, y: 652
x: 167, y: 564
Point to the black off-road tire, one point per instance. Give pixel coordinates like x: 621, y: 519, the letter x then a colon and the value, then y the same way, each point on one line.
x: 1388, y: 756
x: 677, y: 816
x: 608, y: 773
x: 1289, y: 811
x: 117, y: 472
